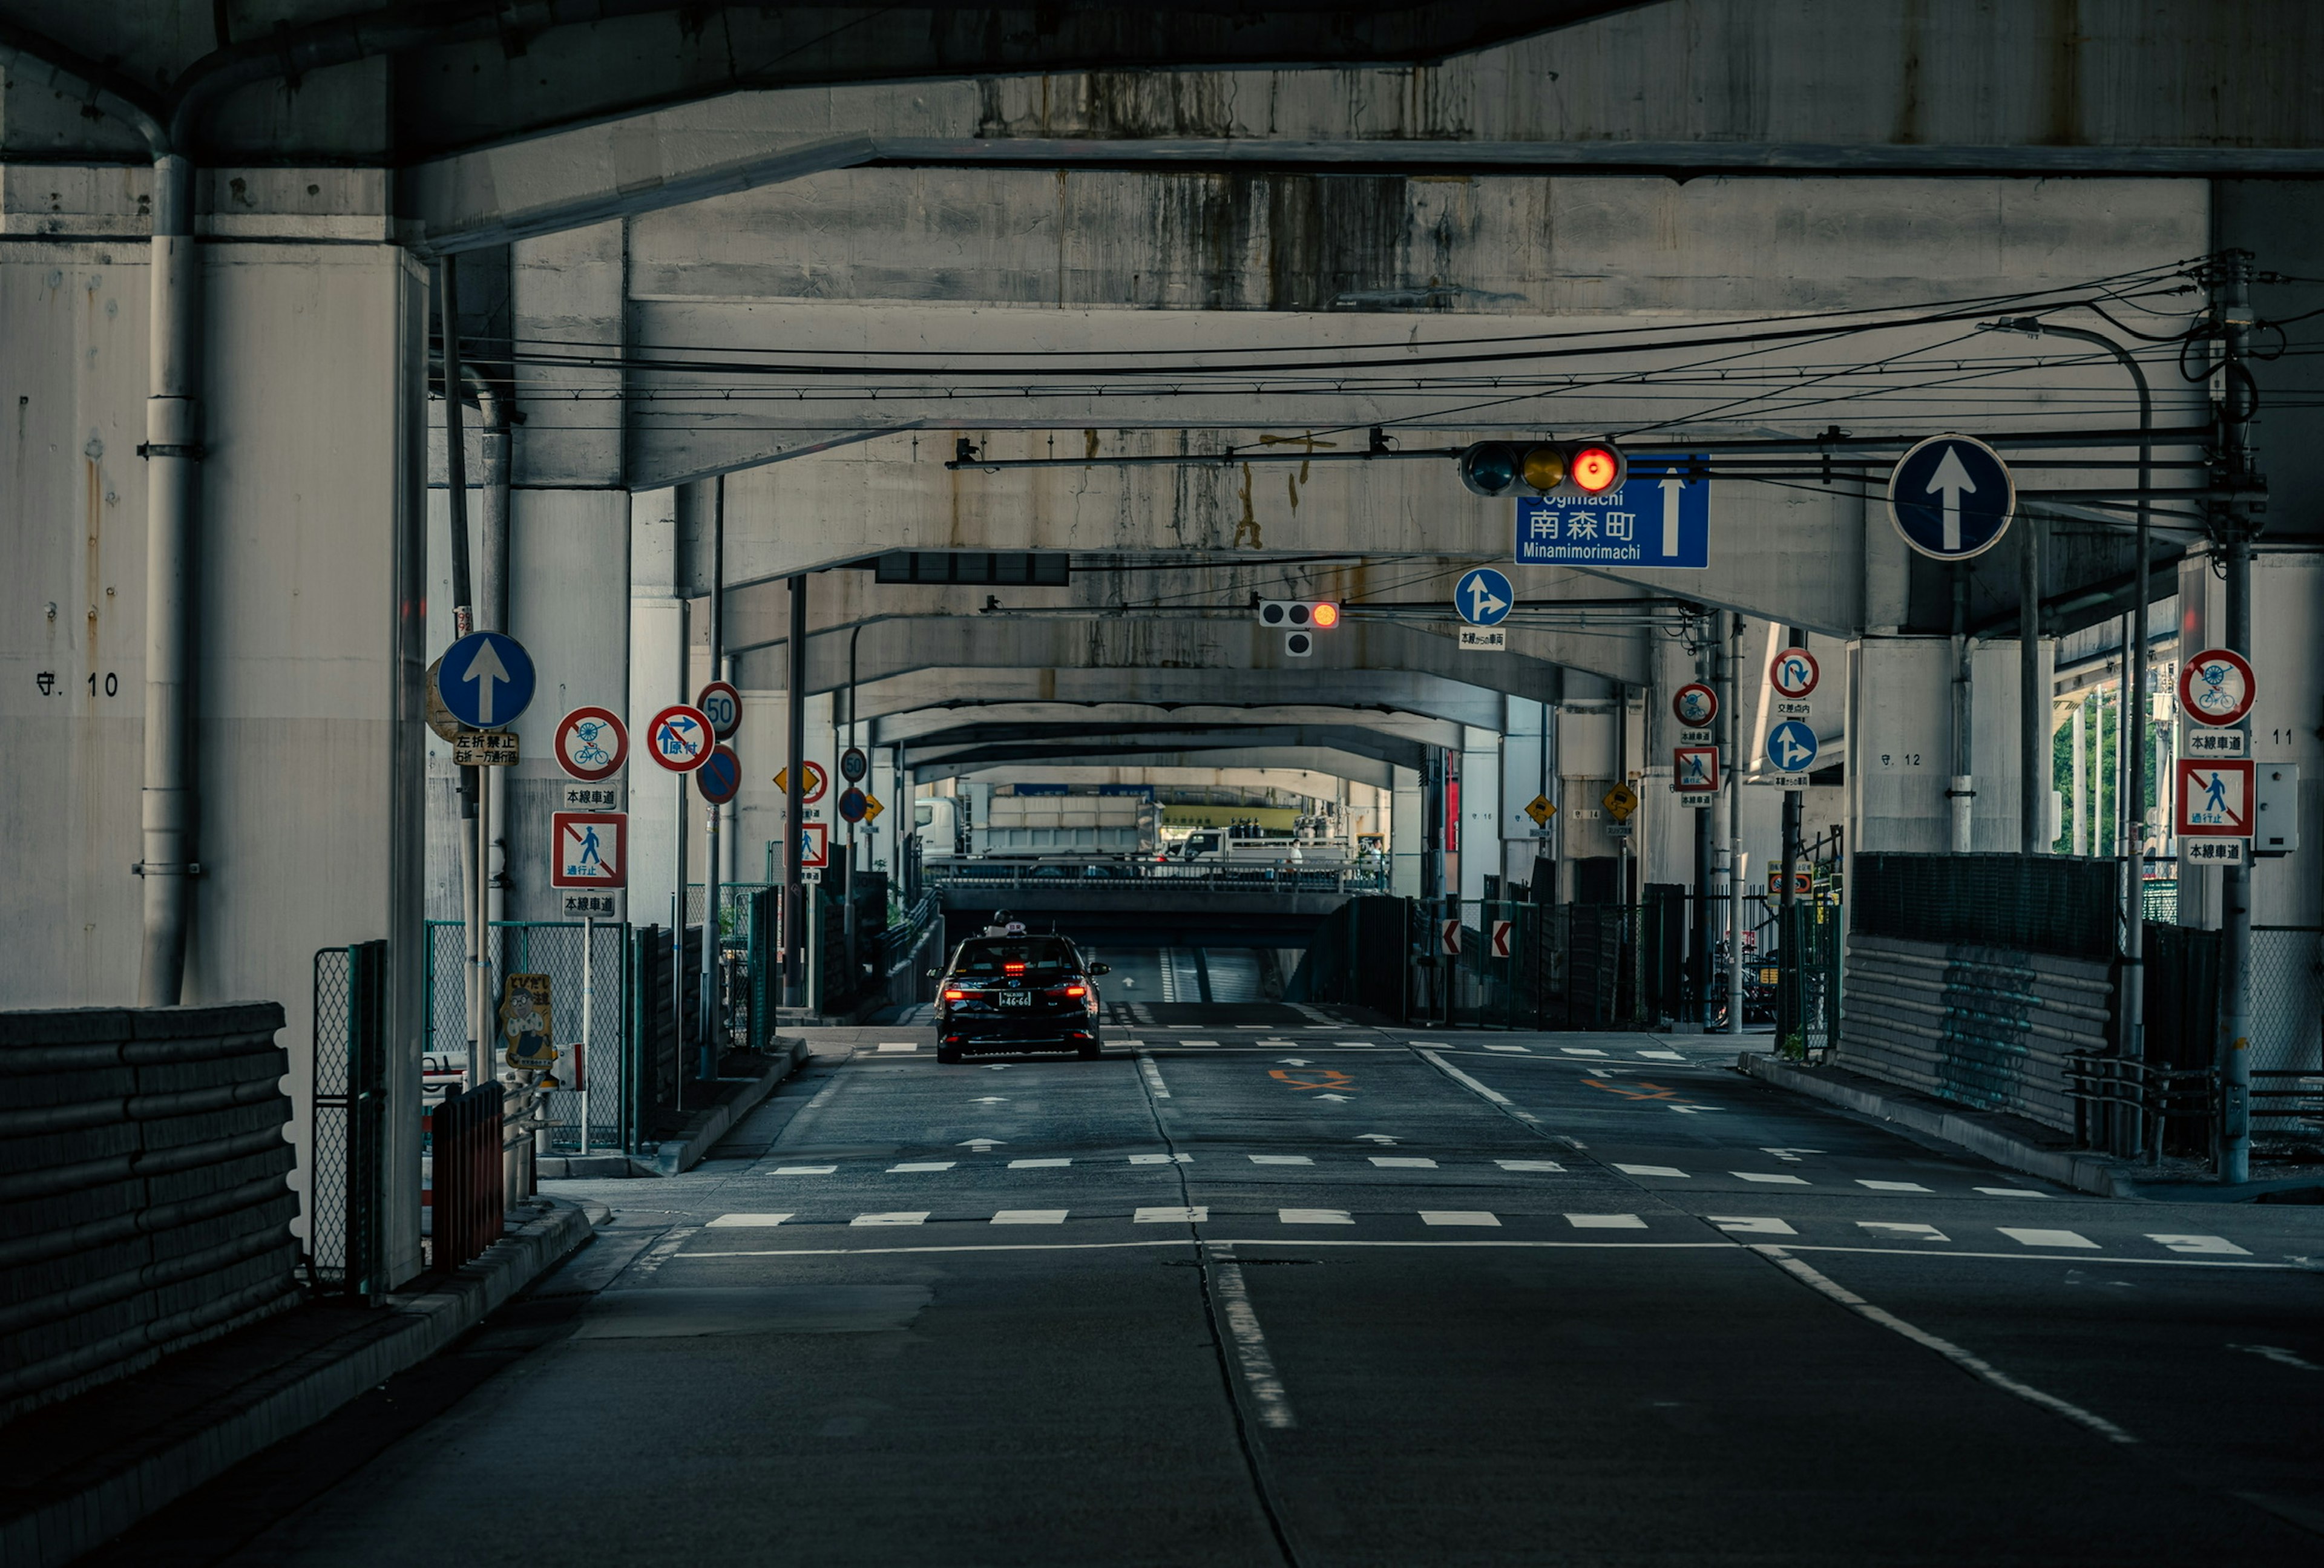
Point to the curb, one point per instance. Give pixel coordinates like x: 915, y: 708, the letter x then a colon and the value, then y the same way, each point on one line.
x: 2086, y: 1173
x: 673, y: 1157
x: 67, y: 1526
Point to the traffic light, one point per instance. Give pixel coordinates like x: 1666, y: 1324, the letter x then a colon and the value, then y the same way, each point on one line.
x: 1569, y: 470
x: 1299, y: 620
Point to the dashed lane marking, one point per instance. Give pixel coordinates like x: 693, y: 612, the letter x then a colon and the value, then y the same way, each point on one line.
x: 904, y: 1217
x: 922, y: 1165
x: 1651, y: 1170
x: 746, y: 1222
x: 1663, y: 1055
x: 1314, y: 1216
x: 1770, y: 1177
x: 1945, y: 1347
x: 2046, y: 1237
x: 1153, y: 1076
x: 1029, y: 1217
x: 1198, y: 1215
x: 1529, y: 1164
x: 1462, y: 1078
x: 1161, y: 1159
x: 2012, y: 1193
x: 1279, y: 1159
x: 1403, y: 1161
x: 1459, y: 1217
x: 805, y: 1169
x: 2212, y: 1244
x: 899, y: 1045
x: 1890, y: 1186
x: 1588, y: 1051
x: 1037, y: 1164
x: 1902, y: 1230
x: 1606, y: 1222
x: 1520, y: 1049
x: 1751, y: 1224
x: 1251, y: 1358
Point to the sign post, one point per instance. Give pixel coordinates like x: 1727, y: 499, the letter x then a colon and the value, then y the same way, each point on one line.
x: 483, y: 681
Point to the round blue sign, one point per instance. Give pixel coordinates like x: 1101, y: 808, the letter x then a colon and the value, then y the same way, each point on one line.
x: 1951, y: 497
x: 486, y: 680
x: 852, y: 804
x: 1791, y: 747
x: 1484, y: 597
x: 719, y: 778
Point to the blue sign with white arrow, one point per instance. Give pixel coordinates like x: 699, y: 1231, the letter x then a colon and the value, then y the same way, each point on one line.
x: 1484, y: 597
x: 486, y: 680
x: 1661, y: 517
x: 1791, y: 747
x: 1951, y: 497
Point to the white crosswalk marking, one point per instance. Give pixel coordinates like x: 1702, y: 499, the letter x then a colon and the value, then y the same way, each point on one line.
x: 1404, y: 1162
x: 1279, y: 1159
x: 1770, y: 1177
x: 1529, y: 1164
x: 1029, y: 1217
x: 1652, y: 1170
x: 2217, y: 1245
x: 805, y: 1169
x: 1606, y: 1222
x: 1197, y: 1215
x: 908, y: 1217
x: 747, y: 1222
x: 1459, y: 1217
x: 1314, y: 1216
x: 1354, y: 1044
x: 2011, y: 1192
x: 2046, y: 1237
x: 1890, y: 1186
x: 1903, y: 1228
x: 921, y: 1165
x: 1748, y: 1224
x: 1036, y: 1164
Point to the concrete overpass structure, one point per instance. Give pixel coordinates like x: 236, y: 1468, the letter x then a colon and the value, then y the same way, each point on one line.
x: 745, y: 298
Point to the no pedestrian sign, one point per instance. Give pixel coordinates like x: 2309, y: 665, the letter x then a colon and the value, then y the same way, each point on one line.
x: 2215, y: 799
x: 592, y: 849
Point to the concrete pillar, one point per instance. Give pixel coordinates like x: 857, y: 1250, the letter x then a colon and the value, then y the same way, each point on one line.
x: 657, y: 678
x: 1404, y: 834
x: 1525, y: 774
x: 1898, y: 744
x: 1480, y: 809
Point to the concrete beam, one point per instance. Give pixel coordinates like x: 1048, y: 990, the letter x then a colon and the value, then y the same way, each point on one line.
x: 1386, y: 690
x: 934, y: 726
x: 1339, y: 764
x: 1069, y: 744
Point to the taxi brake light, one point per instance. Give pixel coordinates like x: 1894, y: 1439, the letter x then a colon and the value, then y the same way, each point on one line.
x: 955, y: 996
x: 1014, y: 968
x: 1077, y: 990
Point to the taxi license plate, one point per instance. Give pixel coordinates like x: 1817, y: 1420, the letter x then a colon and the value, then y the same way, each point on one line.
x: 1015, y: 998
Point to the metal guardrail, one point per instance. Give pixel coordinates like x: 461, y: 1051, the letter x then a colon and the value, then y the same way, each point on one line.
x: 1092, y: 876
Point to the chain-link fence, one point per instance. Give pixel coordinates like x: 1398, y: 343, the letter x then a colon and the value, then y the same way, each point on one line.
x: 2287, y: 997
x: 346, y: 1123
x: 327, y: 1139
x: 583, y: 1117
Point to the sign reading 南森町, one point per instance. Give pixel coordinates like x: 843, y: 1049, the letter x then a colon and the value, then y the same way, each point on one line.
x: 1661, y: 517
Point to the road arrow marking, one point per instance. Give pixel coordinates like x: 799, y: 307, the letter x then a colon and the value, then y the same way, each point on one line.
x: 1672, y: 488
x: 1374, y: 1137
x: 989, y: 1100
x: 1792, y: 1155
x: 1953, y: 482
x: 1337, y: 1098
x: 485, y: 669
x: 982, y: 1145
x: 1293, y: 1061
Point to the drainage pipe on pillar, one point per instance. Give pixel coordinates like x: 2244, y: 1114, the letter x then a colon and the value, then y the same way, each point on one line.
x: 172, y: 450
x: 712, y: 853
x: 1730, y: 657
x: 795, y: 804
x: 476, y: 806
x: 1961, y: 795
x: 2033, y: 703
x: 491, y: 611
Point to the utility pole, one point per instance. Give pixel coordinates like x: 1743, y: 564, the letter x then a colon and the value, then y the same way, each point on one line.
x: 794, y: 806
x: 1732, y: 626
x: 1788, y: 1010
x: 711, y: 1046
x: 2234, y: 522
x: 475, y: 829
x: 2032, y: 702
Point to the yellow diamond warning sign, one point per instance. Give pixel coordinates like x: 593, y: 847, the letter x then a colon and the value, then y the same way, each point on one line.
x: 1621, y: 800
x: 1541, y: 811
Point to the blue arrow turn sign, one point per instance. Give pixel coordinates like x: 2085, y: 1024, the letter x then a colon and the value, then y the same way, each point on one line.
x: 1791, y: 747
x: 1951, y: 497
x: 486, y: 680
x: 1484, y: 597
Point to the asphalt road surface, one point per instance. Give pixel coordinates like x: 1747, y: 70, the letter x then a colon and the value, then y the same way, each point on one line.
x: 1250, y: 1292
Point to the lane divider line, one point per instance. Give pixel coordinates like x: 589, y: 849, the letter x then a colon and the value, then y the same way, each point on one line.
x: 1295, y: 1242
x: 1975, y: 1365
x: 1462, y: 1078
x: 1251, y: 1357
x: 1153, y: 1076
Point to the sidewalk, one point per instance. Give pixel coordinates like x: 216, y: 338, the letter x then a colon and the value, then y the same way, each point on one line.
x: 77, y: 1473
x: 684, y: 1147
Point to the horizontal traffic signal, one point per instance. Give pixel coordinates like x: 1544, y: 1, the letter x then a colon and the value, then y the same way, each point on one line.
x: 1322, y: 614
x: 1570, y: 470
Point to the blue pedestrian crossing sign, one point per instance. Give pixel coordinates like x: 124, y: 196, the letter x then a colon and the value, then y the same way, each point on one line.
x: 1484, y: 597
x: 486, y: 680
x: 1661, y: 517
x: 1791, y: 747
x: 1951, y: 497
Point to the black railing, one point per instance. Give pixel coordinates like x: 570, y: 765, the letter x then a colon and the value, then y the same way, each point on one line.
x: 347, y: 1141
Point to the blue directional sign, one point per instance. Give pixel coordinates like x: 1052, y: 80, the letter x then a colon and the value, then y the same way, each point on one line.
x: 486, y: 680
x: 1484, y: 597
x: 1951, y: 497
x: 1661, y: 517
x: 719, y: 778
x: 1791, y: 747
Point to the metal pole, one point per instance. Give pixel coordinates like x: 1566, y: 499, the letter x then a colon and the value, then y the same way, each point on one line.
x: 475, y: 844
x: 677, y: 948
x: 1961, y: 794
x: 2032, y: 702
x: 794, y: 806
x: 2235, y: 525
x: 588, y: 1000
x: 1787, y: 922
x: 706, y: 1067
x: 1731, y: 658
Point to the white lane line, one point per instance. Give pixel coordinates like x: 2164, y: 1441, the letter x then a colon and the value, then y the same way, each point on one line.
x: 2218, y: 1245
x: 1663, y: 1055
x: 1250, y: 1345
x: 1201, y: 1045
x: 1751, y: 1225
x: 1431, y: 1044
x: 897, y: 1217
x: 2117, y: 1261
x: 1161, y: 1159
x: 898, y: 1045
x: 1582, y: 1050
x: 746, y: 1222
x: 1606, y: 1222
x: 1520, y: 1049
x: 2011, y: 1192
x: 1197, y: 1215
x: 1945, y: 1347
x: 1472, y: 1243
x: 1529, y: 1164
x: 1771, y: 1177
x: 1153, y: 1076
x: 921, y: 1165
x: 1279, y: 1159
x: 1902, y: 1229
x: 1652, y: 1170
x: 2047, y: 1238
x: 648, y: 1264
x: 1356, y: 1045
x: 805, y: 1169
x: 1029, y: 1217
x: 1315, y: 1217
x: 2280, y: 1356
x: 1036, y: 1164
x: 1890, y: 1186
x: 1462, y: 1078
x: 1459, y: 1217
x: 1404, y: 1162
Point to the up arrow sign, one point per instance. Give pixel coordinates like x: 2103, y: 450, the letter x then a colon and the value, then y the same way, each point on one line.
x: 1951, y: 482
x: 1673, y: 487
x: 485, y: 669
x: 486, y: 678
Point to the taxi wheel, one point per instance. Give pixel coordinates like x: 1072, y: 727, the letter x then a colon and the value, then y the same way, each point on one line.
x: 947, y: 1053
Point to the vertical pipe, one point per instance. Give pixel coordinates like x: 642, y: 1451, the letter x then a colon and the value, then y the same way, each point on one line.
x: 707, y: 1004
x: 1733, y: 725
x: 2079, y: 842
x: 1961, y: 795
x: 794, y: 806
x: 492, y: 608
x: 1789, y: 1021
x: 2032, y: 702
x: 172, y: 450
x: 588, y: 1005
x: 2234, y: 523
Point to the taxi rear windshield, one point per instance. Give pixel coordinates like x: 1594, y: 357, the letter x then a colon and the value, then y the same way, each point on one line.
x: 1036, y: 955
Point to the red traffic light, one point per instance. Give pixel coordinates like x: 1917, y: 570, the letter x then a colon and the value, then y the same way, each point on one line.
x: 1327, y: 616
x: 1595, y: 470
